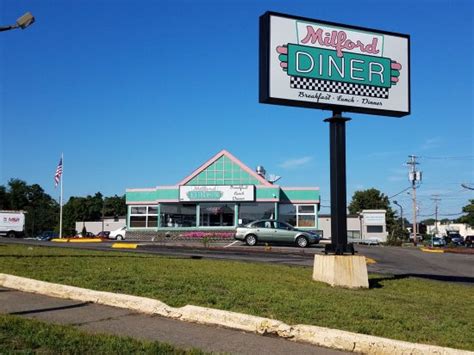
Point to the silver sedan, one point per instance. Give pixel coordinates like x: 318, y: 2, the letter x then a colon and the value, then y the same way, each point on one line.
x: 269, y: 230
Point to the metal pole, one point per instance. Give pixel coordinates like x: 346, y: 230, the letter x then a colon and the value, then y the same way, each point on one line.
x: 61, y: 200
x: 401, y: 215
x: 337, y: 155
x: 415, y: 235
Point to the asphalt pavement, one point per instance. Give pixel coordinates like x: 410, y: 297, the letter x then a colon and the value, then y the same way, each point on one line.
x: 398, y: 261
x: 94, y: 318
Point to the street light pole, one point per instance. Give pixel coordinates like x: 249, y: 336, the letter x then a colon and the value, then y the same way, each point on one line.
x: 22, y: 22
x: 401, y: 215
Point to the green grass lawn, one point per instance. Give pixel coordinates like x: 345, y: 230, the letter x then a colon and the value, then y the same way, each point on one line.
x: 27, y: 336
x: 410, y: 309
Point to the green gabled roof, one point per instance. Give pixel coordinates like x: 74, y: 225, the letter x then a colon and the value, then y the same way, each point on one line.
x: 224, y: 169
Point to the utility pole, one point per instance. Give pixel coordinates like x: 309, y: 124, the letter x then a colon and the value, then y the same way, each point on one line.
x: 436, y: 199
x: 414, y: 176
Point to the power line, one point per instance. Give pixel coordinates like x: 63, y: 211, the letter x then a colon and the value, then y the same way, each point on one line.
x: 408, y: 188
x: 465, y: 157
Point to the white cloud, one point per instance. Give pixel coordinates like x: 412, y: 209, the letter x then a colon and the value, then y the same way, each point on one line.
x: 431, y: 143
x: 295, y: 163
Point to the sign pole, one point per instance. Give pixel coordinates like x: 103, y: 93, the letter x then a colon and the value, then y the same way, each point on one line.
x: 337, y: 156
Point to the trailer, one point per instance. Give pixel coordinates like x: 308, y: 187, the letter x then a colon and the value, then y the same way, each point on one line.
x: 12, y: 224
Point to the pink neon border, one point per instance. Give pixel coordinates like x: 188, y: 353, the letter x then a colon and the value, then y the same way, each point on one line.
x: 231, y: 157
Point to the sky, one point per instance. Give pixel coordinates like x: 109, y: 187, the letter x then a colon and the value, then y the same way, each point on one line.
x: 141, y: 93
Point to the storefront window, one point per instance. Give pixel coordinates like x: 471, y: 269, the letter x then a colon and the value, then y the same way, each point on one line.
x: 374, y: 229
x: 249, y: 212
x: 143, y: 216
x: 175, y: 216
x: 217, y: 214
x: 298, y: 215
x: 287, y: 213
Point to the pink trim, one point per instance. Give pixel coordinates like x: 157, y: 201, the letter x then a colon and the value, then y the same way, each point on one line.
x: 138, y: 190
x: 396, y: 66
x: 167, y: 187
x: 268, y: 187
x: 267, y: 200
x: 169, y: 200
x: 232, y: 158
x: 300, y: 188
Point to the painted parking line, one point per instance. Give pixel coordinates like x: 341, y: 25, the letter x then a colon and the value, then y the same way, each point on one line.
x: 124, y: 246
x: 229, y: 245
x: 426, y: 250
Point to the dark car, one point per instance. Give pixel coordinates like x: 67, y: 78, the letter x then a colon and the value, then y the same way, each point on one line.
x: 469, y: 241
x: 456, y: 239
x: 104, y: 234
x: 268, y: 230
x: 47, y: 235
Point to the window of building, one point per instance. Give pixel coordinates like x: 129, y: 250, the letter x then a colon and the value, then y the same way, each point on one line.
x: 374, y: 229
x: 217, y: 214
x: 249, y: 212
x: 298, y: 215
x: 143, y: 216
x: 175, y: 216
x: 287, y: 213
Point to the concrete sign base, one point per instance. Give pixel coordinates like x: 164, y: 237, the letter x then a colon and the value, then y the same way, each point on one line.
x: 341, y: 270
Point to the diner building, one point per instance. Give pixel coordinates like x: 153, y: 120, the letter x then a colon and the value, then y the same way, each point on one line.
x: 219, y: 195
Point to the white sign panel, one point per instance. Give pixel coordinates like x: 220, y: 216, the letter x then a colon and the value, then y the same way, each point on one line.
x: 374, y: 218
x: 317, y: 64
x: 217, y: 193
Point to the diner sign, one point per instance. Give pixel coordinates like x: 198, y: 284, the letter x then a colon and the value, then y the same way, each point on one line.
x: 217, y: 193
x: 317, y: 64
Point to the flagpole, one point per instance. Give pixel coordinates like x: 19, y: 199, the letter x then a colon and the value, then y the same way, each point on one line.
x: 61, y: 200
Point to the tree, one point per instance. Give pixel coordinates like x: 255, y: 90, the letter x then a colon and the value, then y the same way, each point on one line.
x: 373, y: 199
x: 428, y: 222
x: 42, y: 211
x: 115, y: 206
x: 469, y: 218
x: 91, y: 208
x: 4, y: 198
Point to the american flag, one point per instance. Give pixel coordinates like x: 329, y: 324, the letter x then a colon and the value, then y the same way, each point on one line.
x: 59, y: 172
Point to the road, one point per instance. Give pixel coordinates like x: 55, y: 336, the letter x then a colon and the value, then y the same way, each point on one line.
x: 402, y: 262
x: 94, y: 318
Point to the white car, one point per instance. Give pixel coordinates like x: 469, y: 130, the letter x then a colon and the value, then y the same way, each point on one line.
x: 118, y: 234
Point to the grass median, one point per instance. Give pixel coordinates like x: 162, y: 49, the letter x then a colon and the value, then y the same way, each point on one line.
x: 27, y: 336
x: 410, y: 309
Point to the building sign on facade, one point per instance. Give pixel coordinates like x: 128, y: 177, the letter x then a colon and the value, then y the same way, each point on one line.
x: 217, y: 193
x: 374, y: 218
x: 311, y: 63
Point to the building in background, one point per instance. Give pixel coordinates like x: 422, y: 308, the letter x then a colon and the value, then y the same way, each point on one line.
x: 222, y: 193
x: 369, y: 225
x: 107, y: 224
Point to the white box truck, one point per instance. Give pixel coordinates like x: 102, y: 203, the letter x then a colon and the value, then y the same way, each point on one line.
x: 12, y: 223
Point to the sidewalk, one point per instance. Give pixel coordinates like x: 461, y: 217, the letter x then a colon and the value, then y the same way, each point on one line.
x: 96, y: 318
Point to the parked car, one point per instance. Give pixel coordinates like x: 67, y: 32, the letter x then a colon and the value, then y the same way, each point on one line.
x: 47, y: 235
x: 104, y: 234
x: 438, y: 242
x: 118, y: 234
x: 419, y: 237
x: 86, y: 235
x: 456, y: 238
x: 469, y: 241
x: 269, y: 230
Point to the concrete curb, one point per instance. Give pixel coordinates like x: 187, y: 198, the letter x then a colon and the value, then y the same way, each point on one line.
x: 325, y: 337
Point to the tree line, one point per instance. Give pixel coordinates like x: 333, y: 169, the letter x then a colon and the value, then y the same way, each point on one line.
x: 42, y: 211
